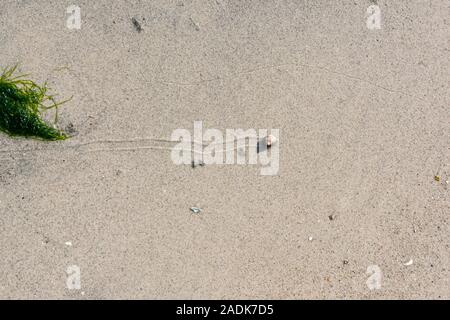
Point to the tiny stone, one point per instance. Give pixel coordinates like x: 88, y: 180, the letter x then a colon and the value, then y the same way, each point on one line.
x: 195, y: 210
x: 70, y: 128
x: 136, y: 24
x: 195, y: 164
x: 345, y: 262
x: 410, y: 262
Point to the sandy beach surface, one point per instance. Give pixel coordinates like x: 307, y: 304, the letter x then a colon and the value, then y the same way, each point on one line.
x: 358, y: 210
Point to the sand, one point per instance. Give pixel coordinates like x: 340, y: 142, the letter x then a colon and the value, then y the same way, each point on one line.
x: 364, y: 129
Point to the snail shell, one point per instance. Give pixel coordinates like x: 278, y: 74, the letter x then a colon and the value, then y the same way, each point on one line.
x: 270, y: 140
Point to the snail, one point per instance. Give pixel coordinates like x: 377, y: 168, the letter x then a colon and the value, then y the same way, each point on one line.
x: 270, y: 140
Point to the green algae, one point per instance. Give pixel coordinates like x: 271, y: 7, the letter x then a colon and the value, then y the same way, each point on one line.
x: 22, y: 105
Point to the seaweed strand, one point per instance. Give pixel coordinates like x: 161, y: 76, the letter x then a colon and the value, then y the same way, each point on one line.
x: 22, y: 104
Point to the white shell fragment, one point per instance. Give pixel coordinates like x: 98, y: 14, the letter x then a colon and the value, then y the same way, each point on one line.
x: 68, y: 243
x: 410, y: 262
x: 195, y: 210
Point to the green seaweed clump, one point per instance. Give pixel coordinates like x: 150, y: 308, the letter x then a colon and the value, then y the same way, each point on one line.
x: 22, y: 104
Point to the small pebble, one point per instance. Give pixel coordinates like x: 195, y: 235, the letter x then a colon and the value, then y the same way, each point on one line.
x: 410, y: 262
x: 195, y: 210
x: 195, y: 164
x: 136, y: 24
